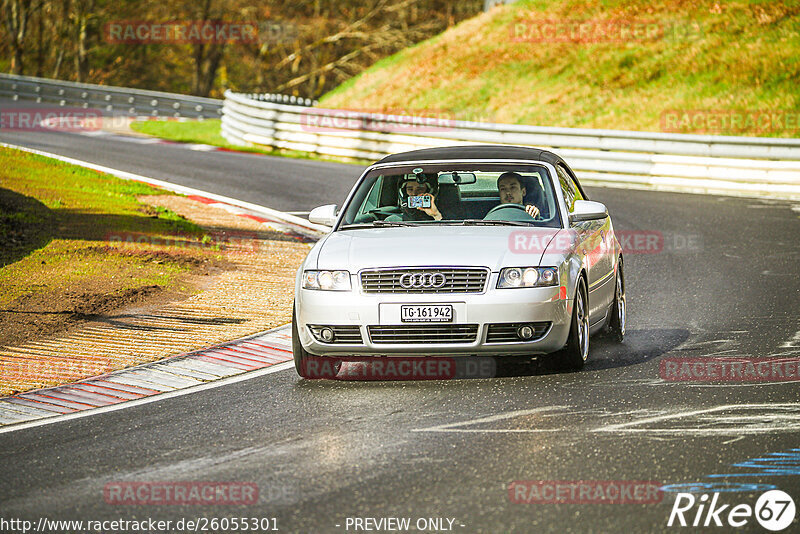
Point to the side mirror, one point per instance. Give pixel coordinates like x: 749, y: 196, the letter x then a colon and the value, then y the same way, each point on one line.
x: 587, y: 210
x: 323, y: 215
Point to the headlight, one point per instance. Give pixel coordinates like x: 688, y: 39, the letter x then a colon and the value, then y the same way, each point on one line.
x: 511, y: 277
x: 327, y: 280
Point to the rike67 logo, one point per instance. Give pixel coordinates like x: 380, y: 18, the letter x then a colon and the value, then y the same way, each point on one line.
x: 774, y: 510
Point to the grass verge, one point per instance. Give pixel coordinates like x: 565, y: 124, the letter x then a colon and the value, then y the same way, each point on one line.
x: 728, y: 68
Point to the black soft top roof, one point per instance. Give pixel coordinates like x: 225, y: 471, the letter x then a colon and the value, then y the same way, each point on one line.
x: 474, y: 152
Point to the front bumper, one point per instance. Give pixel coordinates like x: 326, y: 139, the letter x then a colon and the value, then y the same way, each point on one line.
x: 353, y: 308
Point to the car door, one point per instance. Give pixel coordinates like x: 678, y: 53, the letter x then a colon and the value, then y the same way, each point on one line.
x: 594, y: 245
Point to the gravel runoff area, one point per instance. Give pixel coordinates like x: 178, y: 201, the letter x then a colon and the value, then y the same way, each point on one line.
x: 255, y: 294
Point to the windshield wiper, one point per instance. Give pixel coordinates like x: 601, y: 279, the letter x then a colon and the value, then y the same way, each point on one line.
x: 482, y: 222
x: 393, y: 223
x: 356, y: 225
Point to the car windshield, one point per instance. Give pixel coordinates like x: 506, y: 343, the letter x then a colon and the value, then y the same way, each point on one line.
x: 448, y: 194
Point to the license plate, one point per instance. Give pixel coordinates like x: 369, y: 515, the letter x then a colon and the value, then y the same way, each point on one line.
x: 442, y: 313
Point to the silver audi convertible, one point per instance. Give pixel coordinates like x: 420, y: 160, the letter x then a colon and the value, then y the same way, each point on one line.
x: 460, y: 251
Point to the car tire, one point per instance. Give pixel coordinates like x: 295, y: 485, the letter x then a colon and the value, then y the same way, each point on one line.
x: 616, y: 324
x: 308, y: 365
x: 573, y: 356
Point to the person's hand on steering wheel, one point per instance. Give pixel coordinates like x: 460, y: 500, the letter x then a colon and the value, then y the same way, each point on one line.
x: 532, y: 210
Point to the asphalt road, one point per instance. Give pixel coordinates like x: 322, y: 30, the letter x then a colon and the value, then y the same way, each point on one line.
x: 725, y: 283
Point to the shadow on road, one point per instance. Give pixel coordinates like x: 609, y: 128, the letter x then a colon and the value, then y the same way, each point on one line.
x: 640, y: 346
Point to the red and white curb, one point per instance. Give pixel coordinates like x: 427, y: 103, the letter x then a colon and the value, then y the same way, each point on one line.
x: 184, y: 373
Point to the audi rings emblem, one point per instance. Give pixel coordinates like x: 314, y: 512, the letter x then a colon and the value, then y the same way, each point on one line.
x: 422, y: 280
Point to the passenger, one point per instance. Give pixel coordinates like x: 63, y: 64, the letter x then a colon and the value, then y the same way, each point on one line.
x: 512, y: 191
x: 424, y: 185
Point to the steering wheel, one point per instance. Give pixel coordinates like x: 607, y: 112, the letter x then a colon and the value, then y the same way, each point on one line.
x: 509, y: 212
x: 504, y: 206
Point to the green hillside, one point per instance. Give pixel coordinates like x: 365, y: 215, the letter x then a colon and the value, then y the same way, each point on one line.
x: 730, y: 68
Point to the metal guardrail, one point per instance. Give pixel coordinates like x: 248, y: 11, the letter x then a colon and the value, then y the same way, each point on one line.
x: 108, y: 99
x: 281, y: 99
x: 677, y: 162
x: 124, y: 100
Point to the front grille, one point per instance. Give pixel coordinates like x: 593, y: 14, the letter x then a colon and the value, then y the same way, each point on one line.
x: 456, y: 280
x: 507, y: 332
x: 404, y: 334
x: 343, y: 335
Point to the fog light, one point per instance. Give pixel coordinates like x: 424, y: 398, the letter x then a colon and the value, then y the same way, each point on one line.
x: 326, y: 334
x: 525, y: 332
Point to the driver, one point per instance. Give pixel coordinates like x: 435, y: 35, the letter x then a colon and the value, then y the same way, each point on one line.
x: 512, y: 191
x: 419, y: 185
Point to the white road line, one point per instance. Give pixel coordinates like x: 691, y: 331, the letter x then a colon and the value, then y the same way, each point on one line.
x: 304, y: 226
x: 734, y: 440
x: 707, y: 342
x: 741, y: 429
x: 452, y: 427
x: 154, y: 398
x: 203, y: 148
x: 706, y: 432
x: 792, y: 343
x: 733, y: 385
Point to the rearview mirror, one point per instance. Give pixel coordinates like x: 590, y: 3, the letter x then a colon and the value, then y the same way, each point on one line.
x: 587, y: 210
x: 323, y: 215
x: 456, y: 177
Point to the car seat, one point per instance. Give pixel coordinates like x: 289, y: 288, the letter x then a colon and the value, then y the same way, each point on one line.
x: 535, y: 195
x: 449, y: 201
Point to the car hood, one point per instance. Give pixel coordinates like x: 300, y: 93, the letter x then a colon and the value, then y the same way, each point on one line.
x: 487, y: 246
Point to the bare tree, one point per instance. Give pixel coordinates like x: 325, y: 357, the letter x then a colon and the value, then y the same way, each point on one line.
x: 61, y: 29
x: 327, y: 55
x: 17, y: 14
x: 83, y: 13
x: 207, y: 57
